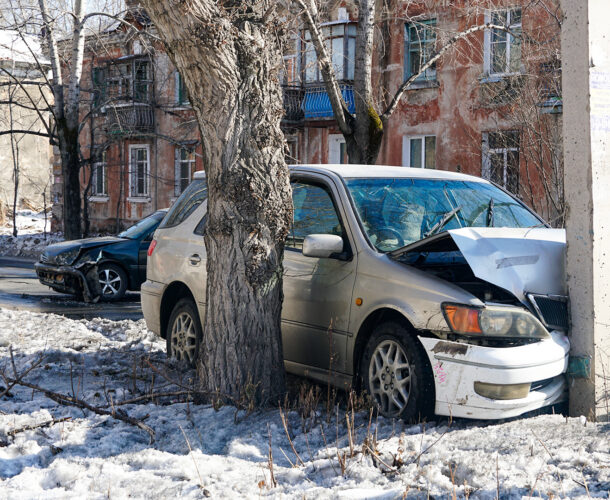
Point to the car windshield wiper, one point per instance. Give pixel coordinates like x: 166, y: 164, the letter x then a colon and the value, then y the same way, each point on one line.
x: 444, y: 219
x: 490, y: 213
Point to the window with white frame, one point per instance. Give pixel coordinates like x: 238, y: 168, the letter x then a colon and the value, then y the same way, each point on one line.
x: 503, y: 48
x: 501, y: 158
x: 419, y: 151
x: 340, y: 40
x: 184, y: 167
x: 420, y: 44
x: 337, y: 153
x: 99, y: 176
x: 139, y: 168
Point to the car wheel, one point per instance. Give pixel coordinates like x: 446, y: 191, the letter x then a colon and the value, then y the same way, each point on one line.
x: 396, y: 373
x: 112, y: 280
x: 184, y: 332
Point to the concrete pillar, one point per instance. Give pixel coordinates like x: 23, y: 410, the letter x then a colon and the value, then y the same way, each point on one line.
x: 586, y: 127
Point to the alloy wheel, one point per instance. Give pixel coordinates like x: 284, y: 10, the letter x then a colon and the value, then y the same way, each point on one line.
x: 390, y: 378
x: 184, y: 338
x: 110, y: 282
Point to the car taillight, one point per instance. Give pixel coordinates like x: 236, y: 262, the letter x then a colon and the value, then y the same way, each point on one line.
x: 151, y: 247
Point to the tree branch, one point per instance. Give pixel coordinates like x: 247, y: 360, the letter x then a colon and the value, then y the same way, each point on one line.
x: 310, y: 18
x: 452, y: 41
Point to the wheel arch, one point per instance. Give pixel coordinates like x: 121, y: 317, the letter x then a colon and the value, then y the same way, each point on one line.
x: 172, y: 294
x: 366, y: 329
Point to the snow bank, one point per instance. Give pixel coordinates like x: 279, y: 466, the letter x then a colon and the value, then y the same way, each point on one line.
x: 31, y: 239
x: 203, y: 452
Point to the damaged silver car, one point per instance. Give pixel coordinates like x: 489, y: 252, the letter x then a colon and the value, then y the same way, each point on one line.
x: 435, y: 291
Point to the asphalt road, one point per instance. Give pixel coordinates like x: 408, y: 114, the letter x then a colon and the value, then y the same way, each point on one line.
x: 20, y: 289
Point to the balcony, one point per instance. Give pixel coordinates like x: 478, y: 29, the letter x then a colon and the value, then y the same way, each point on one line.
x: 293, y: 100
x: 129, y: 119
x: 316, y: 103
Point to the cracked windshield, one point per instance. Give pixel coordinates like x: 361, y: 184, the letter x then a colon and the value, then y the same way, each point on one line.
x: 397, y: 212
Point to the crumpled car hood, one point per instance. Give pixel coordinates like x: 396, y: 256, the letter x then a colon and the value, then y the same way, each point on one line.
x: 520, y: 260
x: 86, y: 243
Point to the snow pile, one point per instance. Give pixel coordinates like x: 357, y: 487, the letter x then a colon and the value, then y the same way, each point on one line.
x: 30, y: 240
x: 200, y: 451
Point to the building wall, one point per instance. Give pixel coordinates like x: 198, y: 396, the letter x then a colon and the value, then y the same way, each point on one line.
x: 33, y: 152
x: 464, y: 103
x: 173, y: 125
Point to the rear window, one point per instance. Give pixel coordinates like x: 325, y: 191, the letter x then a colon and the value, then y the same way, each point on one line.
x: 185, y: 205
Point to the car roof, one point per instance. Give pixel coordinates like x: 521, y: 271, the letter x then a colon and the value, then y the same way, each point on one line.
x: 383, y: 171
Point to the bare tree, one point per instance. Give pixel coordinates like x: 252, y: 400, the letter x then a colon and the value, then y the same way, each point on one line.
x: 229, y: 56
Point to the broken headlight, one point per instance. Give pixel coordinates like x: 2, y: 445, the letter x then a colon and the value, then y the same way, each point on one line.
x: 67, y: 258
x: 493, y: 321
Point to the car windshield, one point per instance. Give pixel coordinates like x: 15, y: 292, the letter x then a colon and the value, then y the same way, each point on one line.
x: 142, y: 228
x: 397, y: 212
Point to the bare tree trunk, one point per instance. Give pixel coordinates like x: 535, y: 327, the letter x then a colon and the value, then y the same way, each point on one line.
x: 15, y: 156
x: 228, y: 55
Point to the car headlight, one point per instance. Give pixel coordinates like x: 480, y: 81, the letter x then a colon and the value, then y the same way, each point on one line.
x: 493, y: 321
x: 67, y: 258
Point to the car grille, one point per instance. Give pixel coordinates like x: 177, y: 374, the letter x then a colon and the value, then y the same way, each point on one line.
x: 553, y: 310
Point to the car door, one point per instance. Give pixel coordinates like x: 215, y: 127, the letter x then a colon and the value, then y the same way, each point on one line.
x: 317, y: 291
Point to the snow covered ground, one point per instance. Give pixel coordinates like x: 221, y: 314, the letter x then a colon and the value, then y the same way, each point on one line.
x: 31, y: 239
x: 200, y: 451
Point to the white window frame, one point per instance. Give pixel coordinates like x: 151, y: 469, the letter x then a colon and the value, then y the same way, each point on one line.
x: 99, y: 166
x: 133, y: 171
x: 406, y: 150
x: 487, y: 44
x: 178, y: 161
x: 487, y: 151
x: 335, y: 141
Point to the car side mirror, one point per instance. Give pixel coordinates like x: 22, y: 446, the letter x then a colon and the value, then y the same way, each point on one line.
x: 322, y: 245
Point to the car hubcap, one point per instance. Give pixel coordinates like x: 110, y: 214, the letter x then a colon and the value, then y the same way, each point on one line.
x: 184, y: 338
x: 110, y: 282
x: 390, y: 378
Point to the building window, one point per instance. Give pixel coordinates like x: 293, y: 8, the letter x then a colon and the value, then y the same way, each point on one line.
x: 185, y: 167
x: 501, y: 159
x: 131, y: 81
x: 139, y: 167
x: 182, y: 97
x: 420, y: 44
x: 99, y: 177
x: 419, y: 152
x: 341, y: 44
x: 337, y: 153
x: 503, y: 49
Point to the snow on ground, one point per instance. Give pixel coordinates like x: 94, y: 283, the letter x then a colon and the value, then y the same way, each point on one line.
x: 31, y: 238
x: 200, y: 451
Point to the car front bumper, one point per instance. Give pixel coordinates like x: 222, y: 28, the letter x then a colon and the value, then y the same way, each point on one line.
x: 458, y: 366
x: 63, y: 278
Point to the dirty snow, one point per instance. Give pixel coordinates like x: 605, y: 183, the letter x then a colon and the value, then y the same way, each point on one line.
x: 31, y: 238
x: 200, y: 451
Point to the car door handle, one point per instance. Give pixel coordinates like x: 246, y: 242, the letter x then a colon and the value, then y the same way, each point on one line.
x: 194, y: 259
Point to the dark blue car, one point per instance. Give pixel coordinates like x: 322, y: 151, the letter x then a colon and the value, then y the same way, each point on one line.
x: 103, y: 267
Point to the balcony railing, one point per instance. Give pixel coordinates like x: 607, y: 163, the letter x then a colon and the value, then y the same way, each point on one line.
x: 293, y: 99
x: 312, y: 103
x: 316, y: 103
x: 129, y: 119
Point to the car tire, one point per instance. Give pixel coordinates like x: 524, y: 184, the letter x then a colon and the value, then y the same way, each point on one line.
x: 397, y: 374
x: 112, y: 282
x: 184, y: 332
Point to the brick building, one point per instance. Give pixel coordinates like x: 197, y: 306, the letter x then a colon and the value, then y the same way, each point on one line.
x: 490, y: 107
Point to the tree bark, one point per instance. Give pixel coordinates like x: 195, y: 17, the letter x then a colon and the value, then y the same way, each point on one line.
x: 228, y: 54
